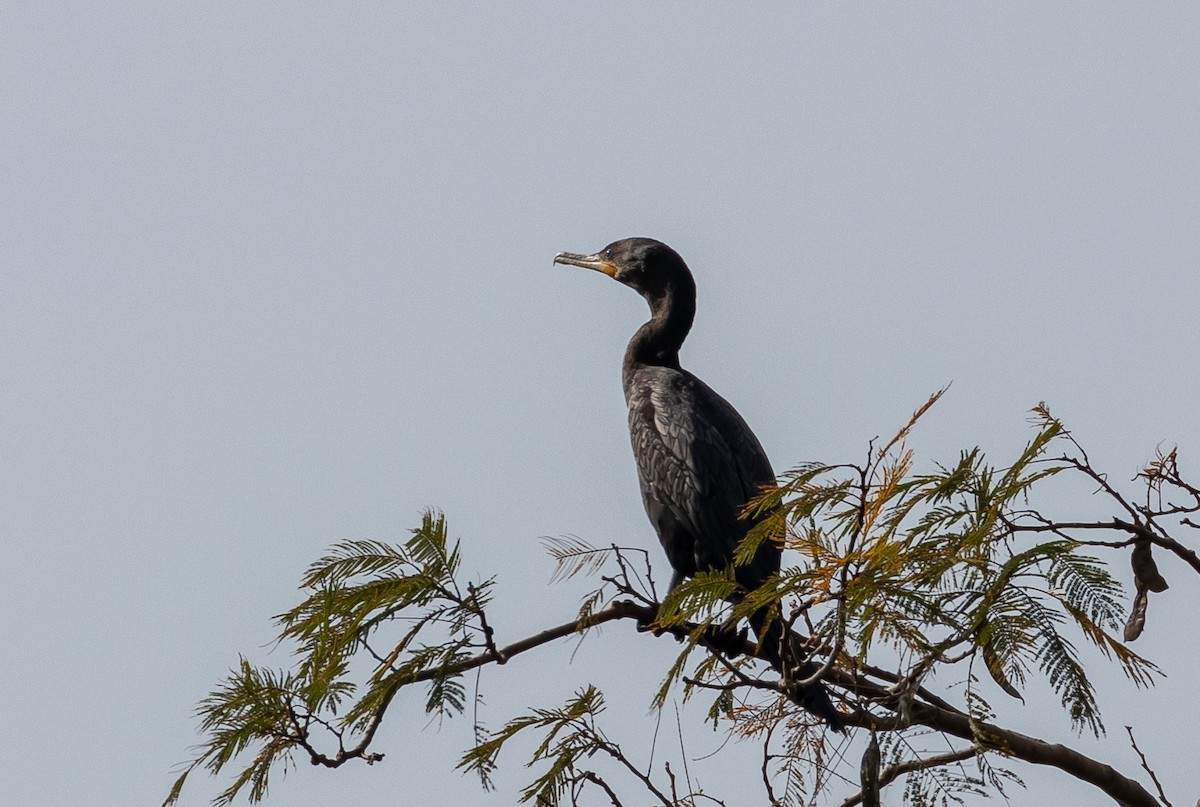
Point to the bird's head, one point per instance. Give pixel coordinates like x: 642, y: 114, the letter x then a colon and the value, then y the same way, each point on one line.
x: 645, y: 265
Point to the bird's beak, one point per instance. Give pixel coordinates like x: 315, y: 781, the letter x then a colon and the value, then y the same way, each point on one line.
x: 597, y: 262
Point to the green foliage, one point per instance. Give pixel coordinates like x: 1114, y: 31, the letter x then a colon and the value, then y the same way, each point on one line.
x: 574, y: 556
x: 697, y: 598
x: 933, y: 566
x: 364, y: 595
x: 252, y: 707
x: 569, y: 734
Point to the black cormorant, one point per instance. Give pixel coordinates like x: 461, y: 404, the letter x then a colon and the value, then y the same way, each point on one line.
x: 697, y: 460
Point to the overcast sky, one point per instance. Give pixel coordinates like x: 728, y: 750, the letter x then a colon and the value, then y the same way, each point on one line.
x: 277, y: 274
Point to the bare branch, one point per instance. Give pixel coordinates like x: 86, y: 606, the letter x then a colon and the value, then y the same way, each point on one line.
x: 1146, y: 767
x: 592, y: 777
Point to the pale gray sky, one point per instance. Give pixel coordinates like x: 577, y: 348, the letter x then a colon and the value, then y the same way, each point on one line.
x: 277, y: 274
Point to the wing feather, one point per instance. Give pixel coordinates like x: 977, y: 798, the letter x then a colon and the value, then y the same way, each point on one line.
x: 698, y: 464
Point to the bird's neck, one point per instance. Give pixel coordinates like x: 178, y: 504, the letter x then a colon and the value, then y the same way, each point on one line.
x: 657, y: 342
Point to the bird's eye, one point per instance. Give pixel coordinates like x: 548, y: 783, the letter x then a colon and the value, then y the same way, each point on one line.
x: 608, y: 254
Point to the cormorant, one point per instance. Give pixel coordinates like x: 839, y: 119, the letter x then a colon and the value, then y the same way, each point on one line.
x: 698, y: 462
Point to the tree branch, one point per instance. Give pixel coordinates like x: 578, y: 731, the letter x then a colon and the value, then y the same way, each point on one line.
x: 1136, y: 529
x: 896, y: 771
x: 1146, y: 767
x: 623, y: 609
x: 1122, y: 789
x: 591, y: 776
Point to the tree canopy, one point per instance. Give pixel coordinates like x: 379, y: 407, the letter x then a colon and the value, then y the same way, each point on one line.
x: 909, y: 585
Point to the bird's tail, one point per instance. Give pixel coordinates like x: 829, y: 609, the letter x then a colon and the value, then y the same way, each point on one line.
x: 772, y: 635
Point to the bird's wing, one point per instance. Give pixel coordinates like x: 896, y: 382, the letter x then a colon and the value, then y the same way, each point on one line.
x: 699, y: 459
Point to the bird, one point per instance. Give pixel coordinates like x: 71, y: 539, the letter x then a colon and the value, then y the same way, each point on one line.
x: 698, y: 462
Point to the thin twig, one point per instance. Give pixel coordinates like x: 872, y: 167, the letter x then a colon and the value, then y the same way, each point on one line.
x: 592, y: 777
x: 1146, y: 767
x: 687, y: 774
x: 908, y: 766
x: 488, y: 634
x: 766, y: 764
